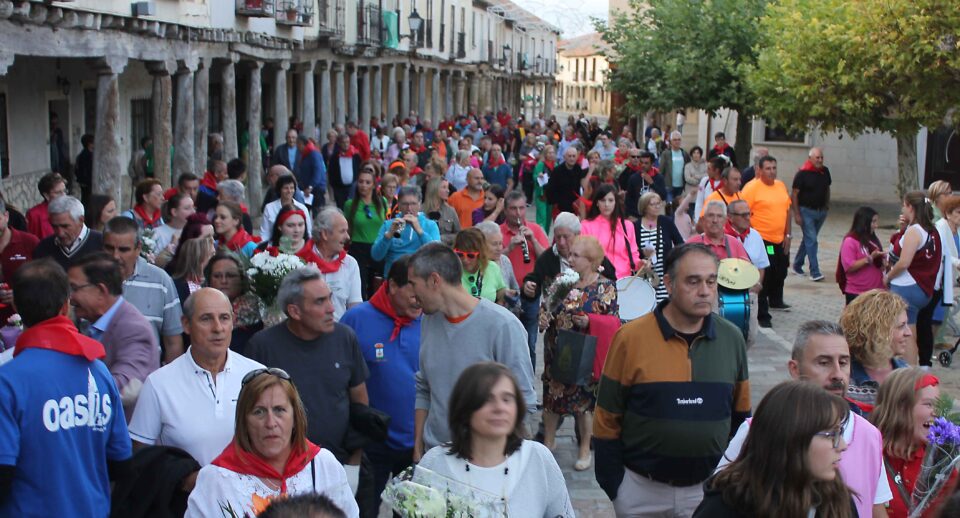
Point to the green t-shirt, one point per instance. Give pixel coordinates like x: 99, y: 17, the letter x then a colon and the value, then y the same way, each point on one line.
x: 366, y: 222
x: 491, y: 281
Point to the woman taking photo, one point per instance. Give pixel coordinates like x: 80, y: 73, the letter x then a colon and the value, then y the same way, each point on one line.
x: 269, y: 457
x: 481, y: 277
x: 101, y: 209
x: 591, y: 295
x: 227, y: 223
x: 225, y: 272
x: 788, y: 466
x: 861, y: 256
x: 149, y: 196
x: 487, y: 451
x: 435, y: 206
x: 656, y: 236
x: 492, y: 208
x: 607, y: 222
x: 365, y: 214
x: 904, y: 413
x: 914, y: 276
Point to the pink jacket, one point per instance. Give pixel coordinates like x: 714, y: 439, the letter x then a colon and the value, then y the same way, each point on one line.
x: 614, y: 244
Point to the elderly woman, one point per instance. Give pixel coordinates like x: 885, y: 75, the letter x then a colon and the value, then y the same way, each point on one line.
x: 230, y: 231
x: 875, y: 326
x: 904, y: 412
x: 488, y: 451
x: 269, y: 456
x: 394, y: 150
x: 494, y: 238
x: 481, y: 276
x: 286, y: 186
x: 149, y: 196
x: 937, y: 193
x: 406, y: 232
x: 694, y: 170
x: 233, y: 190
x: 457, y: 173
x: 225, y: 272
x: 656, y: 236
x: 592, y: 294
x: 436, y: 208
x: 947, y: 227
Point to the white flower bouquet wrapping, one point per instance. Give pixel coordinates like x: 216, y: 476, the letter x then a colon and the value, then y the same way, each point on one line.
x: 421, y: 493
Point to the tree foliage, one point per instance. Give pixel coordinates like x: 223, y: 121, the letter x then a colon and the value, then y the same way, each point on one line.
x: 859, y: 65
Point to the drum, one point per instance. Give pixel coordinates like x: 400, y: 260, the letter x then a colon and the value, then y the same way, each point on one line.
x: 635, y: 297
x: 735, y: 307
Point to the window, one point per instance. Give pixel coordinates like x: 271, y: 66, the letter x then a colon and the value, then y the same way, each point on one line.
x: 473, y: 31
x: 771, y: 133
x: 141, y: 121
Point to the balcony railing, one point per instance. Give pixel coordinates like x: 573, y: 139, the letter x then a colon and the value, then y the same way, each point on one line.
x: 369, y: 25
x: 255, y: 8
x: 461, y: 45
x: 295, y: 12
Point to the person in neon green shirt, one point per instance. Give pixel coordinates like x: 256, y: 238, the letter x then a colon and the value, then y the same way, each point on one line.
x: 481, y: 277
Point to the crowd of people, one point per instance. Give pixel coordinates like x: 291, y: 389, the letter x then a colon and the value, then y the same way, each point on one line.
x: 408, y: 334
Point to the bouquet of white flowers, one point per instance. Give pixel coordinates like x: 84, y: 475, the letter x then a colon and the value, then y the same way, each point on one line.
x: 267, y: 271
x: 558, y: 290
x: 148, y: 245
x: 420, y: 493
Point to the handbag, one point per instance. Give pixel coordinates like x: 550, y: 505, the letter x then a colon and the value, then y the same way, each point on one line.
x: 573, y: 363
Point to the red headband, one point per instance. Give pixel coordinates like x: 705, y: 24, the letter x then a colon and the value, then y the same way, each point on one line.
x: 927, y: 380
x: 286, y: 215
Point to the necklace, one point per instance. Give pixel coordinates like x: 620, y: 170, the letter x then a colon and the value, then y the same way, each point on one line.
x: 271, y: 485
x: 503, y: 487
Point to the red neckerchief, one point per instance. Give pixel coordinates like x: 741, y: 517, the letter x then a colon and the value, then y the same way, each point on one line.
x: 240, y: 239
x: 245, y: 463
x: 721, y: 150
x: 59, y: 334
x: 381, y: 301
x: 209, y: 181
x: 418, y: 150
x: 808, y: 166
x: 244, y: 209
x: 148, y: 221
x: 325, y: 265
x: 349, y: 152
x: 633, y: 169
x: 416, y: 170
x: 305, y: 252
x: 730, y: 231
x: 308, y: 148
x: 549, y: 165
x: 652, y: 172
x: 713, y: 183
x: 498, y: 163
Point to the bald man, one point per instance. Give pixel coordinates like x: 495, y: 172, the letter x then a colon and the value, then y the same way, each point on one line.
x: 811, y: 200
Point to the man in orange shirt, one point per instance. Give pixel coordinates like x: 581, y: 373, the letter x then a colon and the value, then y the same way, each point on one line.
x: 468, y: 199
x: 770, y: 205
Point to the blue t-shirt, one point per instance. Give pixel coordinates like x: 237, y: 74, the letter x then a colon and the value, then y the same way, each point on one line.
x: 391, y: 385
x: 676, y: 169
x: 498, y: 175
x: 61, y: 420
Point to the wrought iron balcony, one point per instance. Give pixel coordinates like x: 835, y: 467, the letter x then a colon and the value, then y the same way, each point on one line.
x: 295, y: 12
x: 255, y: 8
x: 369, y: 25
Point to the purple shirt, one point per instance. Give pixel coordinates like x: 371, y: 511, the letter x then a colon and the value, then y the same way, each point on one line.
x: 865, y: 279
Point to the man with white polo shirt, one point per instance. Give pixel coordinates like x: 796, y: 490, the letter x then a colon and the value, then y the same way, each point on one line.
x: 738, y: 226
x: 821, y: 356
x: 191, y: 402
x: 337, y: 268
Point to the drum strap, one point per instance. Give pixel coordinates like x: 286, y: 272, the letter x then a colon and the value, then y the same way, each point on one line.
x: 726, y: 245
x: 633, y: 265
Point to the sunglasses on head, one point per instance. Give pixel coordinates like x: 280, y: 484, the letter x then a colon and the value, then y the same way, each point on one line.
x: 468, y: 255
x: 368, y: 212
x: 280, y: 373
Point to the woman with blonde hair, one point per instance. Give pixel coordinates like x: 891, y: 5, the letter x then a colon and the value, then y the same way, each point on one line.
x: 937, y: 193
x: 481, y: 277
x: 875, y: 326
x: 435, y: 206
x: 904, y: 412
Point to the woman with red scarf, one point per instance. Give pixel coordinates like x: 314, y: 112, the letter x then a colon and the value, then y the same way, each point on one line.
x: 343, y: 169
x: 149, y: 195
x: 227, y: 223
x: 270, y: 456
x: 290, y: 235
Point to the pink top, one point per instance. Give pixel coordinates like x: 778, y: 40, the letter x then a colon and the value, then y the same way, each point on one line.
x: 861, y: 464
x: 736, y: 247
x: 614, y: 244
x: 865, y: 279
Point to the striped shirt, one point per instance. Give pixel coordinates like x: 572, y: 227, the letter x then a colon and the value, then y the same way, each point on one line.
x: 152, y: 292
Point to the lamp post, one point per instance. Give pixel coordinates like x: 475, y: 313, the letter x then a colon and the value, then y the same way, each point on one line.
x: 415, y: 22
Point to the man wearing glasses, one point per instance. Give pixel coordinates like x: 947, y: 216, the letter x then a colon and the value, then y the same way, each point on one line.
x: 738, y: 226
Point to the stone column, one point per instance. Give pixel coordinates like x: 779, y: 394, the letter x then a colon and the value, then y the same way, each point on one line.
x: 435, y: 114
x: 326, y: 102
x: 280, y: 117
x: 162, y: 100
x: 352, y: 100
x: 448, y: 95
x: 391, y: 93
x: 548, y: 99
x: 183, y: 132
x: 254, y: 161
x: 422, y: 93
x: 414, y: 88
x: 473, y: 83
x: 108, y: 166
x: 201, y: 115
x: 364, y: 117
x: 404, y: 90
x: 460, y: 94
x: 377, y: 93
x: 228, y: 101
x: 341, y: 105
x: 308, y: 115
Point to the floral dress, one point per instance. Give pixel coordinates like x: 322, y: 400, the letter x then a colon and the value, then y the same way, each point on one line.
x: 599, y: 298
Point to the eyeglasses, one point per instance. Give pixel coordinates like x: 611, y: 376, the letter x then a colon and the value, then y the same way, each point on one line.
x: 742, y: 214
x: 367, y: 212
x: 834, y: 435
x: 273, y: 371
x: 468, y: 255
x: 634, y: 156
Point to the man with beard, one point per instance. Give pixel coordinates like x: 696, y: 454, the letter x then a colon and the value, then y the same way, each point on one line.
x: 821, y: 356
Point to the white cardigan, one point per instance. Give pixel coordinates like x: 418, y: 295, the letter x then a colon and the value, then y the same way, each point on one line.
x: 950, y: 264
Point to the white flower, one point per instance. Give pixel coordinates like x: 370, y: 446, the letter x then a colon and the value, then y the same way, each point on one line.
x: 252, y: 271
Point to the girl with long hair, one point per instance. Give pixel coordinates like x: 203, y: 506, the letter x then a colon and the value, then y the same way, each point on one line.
x: 365, y: 214
x: 607, y: 221
x: 481, y: 277
x: 435, y: 206
x: 229, y: 228
x: 789, y: 464
x: 861, y: 261
x: 915, y: 274
x: 492, y: 208
x: 290, y: 235
x: 100, y: 209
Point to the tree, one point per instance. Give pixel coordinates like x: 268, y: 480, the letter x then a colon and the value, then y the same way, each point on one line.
x: 671, y: 54
x: 860, y: 65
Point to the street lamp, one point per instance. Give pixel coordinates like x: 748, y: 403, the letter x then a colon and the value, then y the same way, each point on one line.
x: 415, y: 22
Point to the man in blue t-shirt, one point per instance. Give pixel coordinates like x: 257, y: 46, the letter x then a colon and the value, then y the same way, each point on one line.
x: 62, y: 431
x: 388, y: 330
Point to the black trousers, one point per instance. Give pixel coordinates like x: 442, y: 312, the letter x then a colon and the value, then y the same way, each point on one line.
x: 368, y: 267
x: 386, y: 463
x: 925, y: 329
x: 776, y: 273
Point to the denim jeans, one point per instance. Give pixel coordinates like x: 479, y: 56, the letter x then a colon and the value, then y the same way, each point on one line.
x: 530, y: 317
x: 812, y: 221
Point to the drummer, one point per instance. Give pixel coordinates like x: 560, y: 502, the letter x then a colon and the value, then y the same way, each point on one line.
x: 738, y: 226
x: 714, y: 218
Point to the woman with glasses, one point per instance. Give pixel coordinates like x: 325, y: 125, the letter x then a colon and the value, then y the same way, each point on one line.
x: 789, y: 464
x: 269, y: 457
x: 436, y: 208
x: 225, y: 272
x: 593, y: 294
x: 904, y: 412
x: 365, y: 214
x: 481, y: 277
x: 656, y: 236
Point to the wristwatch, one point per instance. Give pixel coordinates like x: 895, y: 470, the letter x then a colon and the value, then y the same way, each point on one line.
x: 789, y: 236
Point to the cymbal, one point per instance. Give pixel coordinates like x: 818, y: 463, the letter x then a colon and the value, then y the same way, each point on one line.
x: 737, y: 274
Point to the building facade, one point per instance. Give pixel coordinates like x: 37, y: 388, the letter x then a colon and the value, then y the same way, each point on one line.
x: 180, y: 70
x: 581, y: 76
